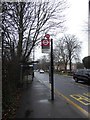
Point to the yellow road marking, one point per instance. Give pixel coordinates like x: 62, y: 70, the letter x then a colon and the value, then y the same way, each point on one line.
x: 75, y: 105
x: 87, y: 114
x: 82, y: 99
x: 87, y: 94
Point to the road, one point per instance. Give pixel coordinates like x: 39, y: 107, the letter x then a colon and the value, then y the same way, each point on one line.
x: 75, y: 93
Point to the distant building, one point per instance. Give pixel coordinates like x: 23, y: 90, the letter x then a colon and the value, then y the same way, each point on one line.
x: 74, y: 66
x: 61, y: 67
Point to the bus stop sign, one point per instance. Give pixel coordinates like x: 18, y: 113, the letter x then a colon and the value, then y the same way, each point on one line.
x: 45, y: 43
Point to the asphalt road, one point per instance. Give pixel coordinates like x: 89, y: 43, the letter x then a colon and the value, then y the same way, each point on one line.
x: 78, y: 94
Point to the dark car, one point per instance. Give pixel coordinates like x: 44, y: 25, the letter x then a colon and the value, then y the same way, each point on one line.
x: 82, y: 75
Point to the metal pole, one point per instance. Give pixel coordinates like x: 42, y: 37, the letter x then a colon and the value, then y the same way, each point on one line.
x: 21, y: 77
x: 52, y: 80
x: 33, y: 63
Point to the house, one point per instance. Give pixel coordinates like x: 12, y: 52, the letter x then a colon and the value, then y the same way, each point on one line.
x: 61, y: 67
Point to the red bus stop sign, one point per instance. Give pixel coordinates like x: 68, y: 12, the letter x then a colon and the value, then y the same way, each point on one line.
x: 47, y: 36
x: 45, y: 43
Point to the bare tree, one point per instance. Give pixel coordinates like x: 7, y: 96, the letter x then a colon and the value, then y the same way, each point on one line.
x: 24, y: 23
x: 60, y: 54
x: 68, y: 49
x: 73, y: 48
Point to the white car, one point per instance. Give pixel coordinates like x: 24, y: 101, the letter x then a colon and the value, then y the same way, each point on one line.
x: 41, y: 71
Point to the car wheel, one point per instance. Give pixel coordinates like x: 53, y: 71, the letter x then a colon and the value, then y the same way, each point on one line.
x: 76, y: 80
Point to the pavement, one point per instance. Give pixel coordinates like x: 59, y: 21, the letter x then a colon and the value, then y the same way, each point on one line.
x: 36, y: 103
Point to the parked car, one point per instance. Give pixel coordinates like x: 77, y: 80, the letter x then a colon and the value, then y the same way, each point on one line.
x: 41, y: 71
x: 82, y: 75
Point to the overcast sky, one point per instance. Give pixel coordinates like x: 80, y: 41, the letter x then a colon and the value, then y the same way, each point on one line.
x: 77, y: 22
x: 77, y: 19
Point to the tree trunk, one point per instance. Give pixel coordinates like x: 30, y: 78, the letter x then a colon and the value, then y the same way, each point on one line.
x: 70, y: 65
x: 65, y: 67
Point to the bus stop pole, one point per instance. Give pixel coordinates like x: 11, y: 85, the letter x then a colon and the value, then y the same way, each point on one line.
x: 52, y: 80
x: 21, y: 75
x: 33, y: 64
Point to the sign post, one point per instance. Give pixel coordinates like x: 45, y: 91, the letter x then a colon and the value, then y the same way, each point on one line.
x: 52, y: 80
x: 45, y: 48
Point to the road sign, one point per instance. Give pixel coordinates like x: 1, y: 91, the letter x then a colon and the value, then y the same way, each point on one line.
x: 45, y: 43
x: 47, y: 36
